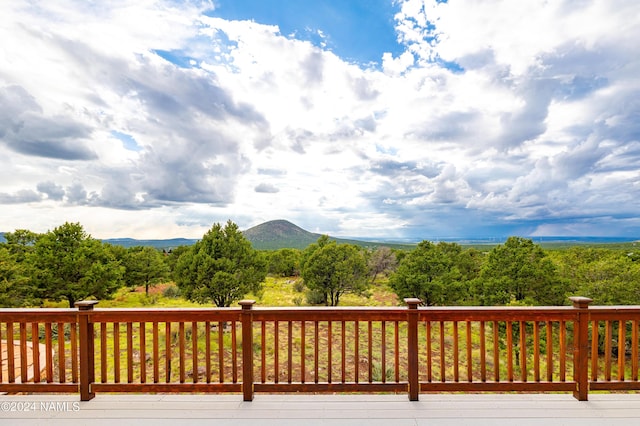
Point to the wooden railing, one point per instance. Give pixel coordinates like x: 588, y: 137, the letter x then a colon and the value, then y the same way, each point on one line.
x: 401, y: 349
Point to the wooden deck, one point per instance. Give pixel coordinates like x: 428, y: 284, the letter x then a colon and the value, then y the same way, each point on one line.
x: 369, y: 410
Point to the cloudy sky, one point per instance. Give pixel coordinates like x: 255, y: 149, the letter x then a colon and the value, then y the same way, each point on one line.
x: 364, y: 118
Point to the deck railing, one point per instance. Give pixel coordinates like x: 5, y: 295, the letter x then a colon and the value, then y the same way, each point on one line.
x: 401, y: 349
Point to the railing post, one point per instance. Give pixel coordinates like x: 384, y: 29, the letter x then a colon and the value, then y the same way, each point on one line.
x: 581, y: 348
x: 87, y: 355
x: 412, y: 350
x: 246, y: 317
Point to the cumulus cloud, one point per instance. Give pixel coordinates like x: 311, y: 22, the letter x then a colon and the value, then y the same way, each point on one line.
x: 497, y: 117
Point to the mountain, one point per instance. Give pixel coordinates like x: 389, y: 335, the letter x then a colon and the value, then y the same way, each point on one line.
x: 278, y: 234
x: 158, y: 244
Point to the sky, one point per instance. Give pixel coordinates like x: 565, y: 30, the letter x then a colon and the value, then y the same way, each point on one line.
x: 394, y: 119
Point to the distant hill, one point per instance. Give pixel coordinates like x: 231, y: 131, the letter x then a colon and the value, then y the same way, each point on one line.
x: 277, y: 234
x: 159, y: 244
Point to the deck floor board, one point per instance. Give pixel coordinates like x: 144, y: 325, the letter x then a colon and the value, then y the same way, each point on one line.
x: 368, y: 410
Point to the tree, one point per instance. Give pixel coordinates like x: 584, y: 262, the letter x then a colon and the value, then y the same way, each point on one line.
x: 16, y: 286
x: 332, y: 270
x: 220, y: 268
x: 285, y: 262
x: 609, y: 277
x: 520, y: 271
x: 381, y: 260
x: 71, y: 265
x: 145, y: 266
x: 437, y: 274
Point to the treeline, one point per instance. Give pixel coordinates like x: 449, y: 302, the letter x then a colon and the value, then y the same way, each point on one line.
x: 68, y: 264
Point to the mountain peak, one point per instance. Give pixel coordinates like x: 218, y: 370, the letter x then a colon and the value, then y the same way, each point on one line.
x: 280, y: 233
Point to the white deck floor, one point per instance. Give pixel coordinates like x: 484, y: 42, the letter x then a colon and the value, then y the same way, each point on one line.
x: 369, y: 410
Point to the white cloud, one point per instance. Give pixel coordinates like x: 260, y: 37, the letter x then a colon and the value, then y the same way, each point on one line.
x: 498, y: 116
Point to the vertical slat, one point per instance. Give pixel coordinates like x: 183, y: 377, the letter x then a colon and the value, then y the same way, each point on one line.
x: 536, y: 351
x: 483, y: 352
x: 220, y: 352
x: 356, y: 339
x: 167, y: 351
x: 316, y: 343
x: 276, y: 350
x: 549, y: 351
x: 344, y: 350
x: 194, y: 350
x: 62, y: 371
x: 496, y: 352
x: 263, y: 345
x: 595, y: 329
x: 634, y: 350
x: 622, y: 328
x: 143, y: 352
x: 608, y: 332
x: 289, y: 351
x: 329, y: 350
x: 74, y: 353
x: 48, y: 342
x: 129, y: 352
x: 303, y: 354
x: 116, y: 352
x: 456, y: 357
x: 24, y: 361
x: 1, y: 363
x: 35, y: 342
x: 396, y: 327
x: 234, y: 353
x: 442, y: 346
x: 383, y: 349
x: 370, y: 347
x: 207, y: 350
x: 469, y: 353
x: 11, y: 357
x: 427, y: 326
x: 181, y: 351
x: 156, y: 353
x: 103, y: 352
x: 523, y: 352
x: 510, y: 351
x: 563, y: 351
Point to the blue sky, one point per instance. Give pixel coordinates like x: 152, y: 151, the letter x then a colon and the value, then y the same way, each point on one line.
x: 357, y: 30
x: 414, y: 119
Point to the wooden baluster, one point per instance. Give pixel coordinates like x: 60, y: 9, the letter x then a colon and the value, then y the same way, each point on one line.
x: 130, y: 352
x: 622, y: 340
x: 194, y: 350
x: 523, y: 351
x: 536, y: 351
x: 634, y: 350
x: 156, y: 353
x: 549, y: 351
x: 329, y: 350
x: 103, y: 352
x: 383, y: 349
x: 24, y: 362
x: 456, y: 358
x: 469, y: 353
x: 483, y: 352
x: 303, y: 354
x: 496, y: 352
x: 35, y: 345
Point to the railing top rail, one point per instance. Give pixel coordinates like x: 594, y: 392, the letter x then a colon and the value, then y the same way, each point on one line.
x: 18, y: 315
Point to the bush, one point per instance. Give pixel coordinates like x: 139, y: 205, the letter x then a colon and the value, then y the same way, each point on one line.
x: 171, y: 292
